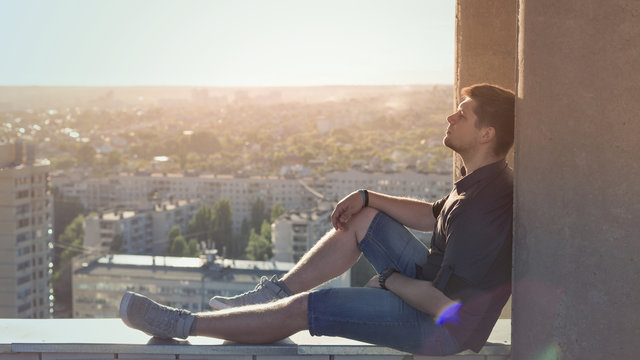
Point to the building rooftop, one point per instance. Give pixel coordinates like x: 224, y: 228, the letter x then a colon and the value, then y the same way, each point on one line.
x: 34, y: 339
x: 191, y: 262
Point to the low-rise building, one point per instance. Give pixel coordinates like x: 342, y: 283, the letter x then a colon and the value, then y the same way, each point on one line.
x: 429, y: 187
x: 187, y: 283
x: 131, y: 191
x: 295, y: 232
x: 141, y: 232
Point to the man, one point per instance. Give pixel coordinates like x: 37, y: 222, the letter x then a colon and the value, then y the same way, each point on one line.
x: 433, y: 301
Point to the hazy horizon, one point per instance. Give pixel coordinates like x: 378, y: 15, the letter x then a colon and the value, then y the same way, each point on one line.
x: 196, y: 43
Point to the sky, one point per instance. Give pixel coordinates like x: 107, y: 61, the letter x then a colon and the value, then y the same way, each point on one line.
x: 226, y: 42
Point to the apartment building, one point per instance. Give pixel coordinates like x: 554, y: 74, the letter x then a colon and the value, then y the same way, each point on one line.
x: 135, y: 191
x: 129, y: 191
x: 142, y: 232
x: 25, y: 233
x: 429, y: 187
x: 295, y: 232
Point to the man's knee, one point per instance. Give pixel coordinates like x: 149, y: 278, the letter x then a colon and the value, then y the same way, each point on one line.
x: 362, y: 220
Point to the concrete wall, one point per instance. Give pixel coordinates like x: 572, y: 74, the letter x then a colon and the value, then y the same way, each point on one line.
x: 485, y: 47
x: 577, y: 204
x: 485, y: 52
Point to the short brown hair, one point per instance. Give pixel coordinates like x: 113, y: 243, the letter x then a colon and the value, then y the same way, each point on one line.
x: 495, y: 107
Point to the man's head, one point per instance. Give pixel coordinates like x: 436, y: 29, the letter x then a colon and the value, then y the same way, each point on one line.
x: 484, y: 120
x: 494, y: 107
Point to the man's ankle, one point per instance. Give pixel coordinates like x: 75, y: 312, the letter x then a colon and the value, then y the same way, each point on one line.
x: 284, y: 287
x: 192, y: 330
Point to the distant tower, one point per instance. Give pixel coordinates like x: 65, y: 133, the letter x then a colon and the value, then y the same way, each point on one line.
x: 25, y: 233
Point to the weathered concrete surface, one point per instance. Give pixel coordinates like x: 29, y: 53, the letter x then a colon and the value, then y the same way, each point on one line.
x: 486, y: 39
x: 36, y: 339
x: 577, y: 205
x: 485, y: 47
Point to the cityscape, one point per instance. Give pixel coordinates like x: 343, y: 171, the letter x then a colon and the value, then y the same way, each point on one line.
x: 204, y: 190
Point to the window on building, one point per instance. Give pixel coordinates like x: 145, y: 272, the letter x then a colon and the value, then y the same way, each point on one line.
x: 23, y: 279
x: 22, y: 265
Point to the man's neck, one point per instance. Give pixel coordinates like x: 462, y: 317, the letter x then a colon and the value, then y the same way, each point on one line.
x: 475, y: 161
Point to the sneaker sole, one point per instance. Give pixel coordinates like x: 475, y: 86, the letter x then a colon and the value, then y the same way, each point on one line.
x: 217, y: 305
x: 124, y: 304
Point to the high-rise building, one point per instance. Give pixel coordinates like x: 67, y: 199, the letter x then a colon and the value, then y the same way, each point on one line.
x: 25, y: 233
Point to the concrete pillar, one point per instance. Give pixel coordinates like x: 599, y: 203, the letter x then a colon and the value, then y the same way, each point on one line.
x: 577, y: 194
x: 485, y: 47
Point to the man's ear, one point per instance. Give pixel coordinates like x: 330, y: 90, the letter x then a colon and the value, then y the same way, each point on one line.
x: 487, y: 134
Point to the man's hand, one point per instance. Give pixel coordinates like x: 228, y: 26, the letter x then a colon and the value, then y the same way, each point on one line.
x: 346, y: 208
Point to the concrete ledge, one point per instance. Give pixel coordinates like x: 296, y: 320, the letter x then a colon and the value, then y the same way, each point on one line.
x: 58, y: 339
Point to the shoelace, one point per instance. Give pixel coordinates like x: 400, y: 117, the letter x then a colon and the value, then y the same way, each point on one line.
x: 259, y: 286
x: 166, y: 312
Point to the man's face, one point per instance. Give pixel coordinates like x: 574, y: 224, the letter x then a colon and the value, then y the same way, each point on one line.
x: 462, y: 134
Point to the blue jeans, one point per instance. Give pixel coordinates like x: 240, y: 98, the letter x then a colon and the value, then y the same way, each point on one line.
x: 378, y: 316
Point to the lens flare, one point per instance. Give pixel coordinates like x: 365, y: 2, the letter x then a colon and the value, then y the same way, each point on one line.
x: 449, y: 314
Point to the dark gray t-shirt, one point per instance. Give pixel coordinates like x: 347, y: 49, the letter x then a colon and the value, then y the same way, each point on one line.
x: 470, y: 254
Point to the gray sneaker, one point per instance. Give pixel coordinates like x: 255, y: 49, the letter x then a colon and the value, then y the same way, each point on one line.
x: 141, y: 313
x: 266, y: 291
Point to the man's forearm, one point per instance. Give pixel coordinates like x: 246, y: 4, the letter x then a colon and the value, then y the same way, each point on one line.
x: 413, y: 213
x: 420, y: 294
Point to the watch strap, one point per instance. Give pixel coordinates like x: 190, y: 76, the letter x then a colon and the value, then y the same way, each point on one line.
x: 384, y: 275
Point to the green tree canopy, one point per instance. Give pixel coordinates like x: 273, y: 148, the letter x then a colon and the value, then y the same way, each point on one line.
x: 86, y: 154
x: 192, y: 248
x: 204, y: 143
x: 201, y: 226
x: 116, y: 244
x: 178, y: 247
x: 258, y: 214
x: 223, y: 229
x: 265, y: 230
x: 70, y: 242
x: 258, y: 247
x: 276, y: 211
x: 174, y: 232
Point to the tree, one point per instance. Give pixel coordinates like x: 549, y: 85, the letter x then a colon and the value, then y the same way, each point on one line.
x: 192, y: 248
x: 223, y: 228
x: 245, y: 228
x: 241, y: 240
x: 178, y: 246
x: 70, y: 242
x: 65, y: 210
x: 114, y: 158
x: 257, y: 214
x: 265, y: 230
x: 86, y: 154
x: 201, y: 226
x: 174, y: 232
x: 258, y: 247
x: 204, y: 143
x: 276, y: 211
x: 116, y: 244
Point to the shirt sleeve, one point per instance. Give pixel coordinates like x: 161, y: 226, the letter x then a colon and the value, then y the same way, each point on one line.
x: 437, y: 206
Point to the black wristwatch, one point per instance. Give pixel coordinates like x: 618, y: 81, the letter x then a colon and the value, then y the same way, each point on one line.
x: 384, y: 275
